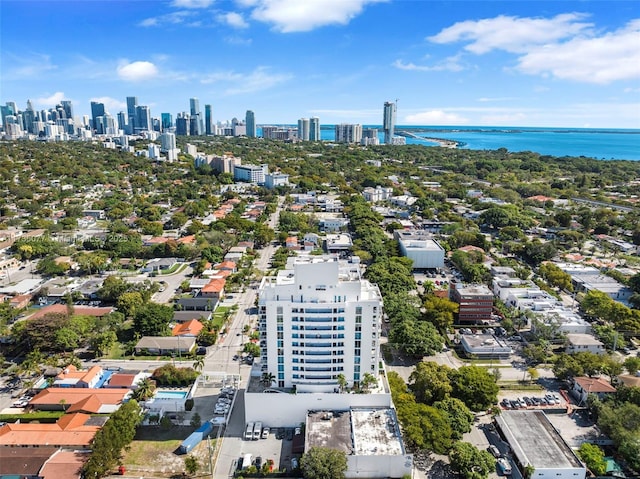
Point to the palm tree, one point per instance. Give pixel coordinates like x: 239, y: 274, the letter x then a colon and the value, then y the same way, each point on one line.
x: 145, y: 390
x: 198, y: 364
x: 267, y: 379
x: 342, y: 382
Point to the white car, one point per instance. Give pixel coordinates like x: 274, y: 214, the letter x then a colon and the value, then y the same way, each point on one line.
x: 265, y: 432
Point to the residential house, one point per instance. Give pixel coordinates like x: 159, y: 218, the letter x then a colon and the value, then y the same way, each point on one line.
x: 583, y: 386
x: 88, y: 400
x: 72, y: 377
x: 71, y: 430
x: 189, y: 328
x: 165, y: 345
x: 580, y: 343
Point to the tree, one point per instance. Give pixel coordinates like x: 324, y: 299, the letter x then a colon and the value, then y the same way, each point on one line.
x: 196, y: 420
x: 475, y: 386
x: 416, y: 338
x: 368, y: 380
x: 632, y: 364
x: 459, y: 416
x: 323, y: 463
x: 470, y: 462
x: 429, y: 381
x: 110, y: 441
x: 191, y: 464
x: 267, y: 379
x: 440, y: 312
x: 533, y: 374
x: 593, y: 457
x: 152, y: 319
x: 129, y: 302
x: 145, y: 390
x: 342, y: 382
x: 198, y: 364
x: 555, y: 276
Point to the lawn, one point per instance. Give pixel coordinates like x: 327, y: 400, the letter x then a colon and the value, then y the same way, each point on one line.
x: 152, y: 451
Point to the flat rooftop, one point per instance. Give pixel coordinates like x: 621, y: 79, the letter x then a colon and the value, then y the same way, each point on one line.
x: 362, y: 432
x: 376, y: 432
x: 535, y: 441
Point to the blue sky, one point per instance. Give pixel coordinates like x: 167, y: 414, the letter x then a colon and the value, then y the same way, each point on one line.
x: 506, y: 63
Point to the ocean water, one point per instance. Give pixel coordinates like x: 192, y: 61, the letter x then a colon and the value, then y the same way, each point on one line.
x: 602, y: 144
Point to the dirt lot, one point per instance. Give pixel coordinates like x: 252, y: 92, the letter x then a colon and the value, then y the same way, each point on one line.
x: 152, y: 452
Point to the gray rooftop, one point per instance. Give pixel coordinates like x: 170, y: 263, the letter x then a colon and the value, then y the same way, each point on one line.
x: 535, y: 441
x: 360, y: 431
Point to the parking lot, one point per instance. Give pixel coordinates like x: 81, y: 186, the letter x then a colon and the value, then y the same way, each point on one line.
x: 278, y: 447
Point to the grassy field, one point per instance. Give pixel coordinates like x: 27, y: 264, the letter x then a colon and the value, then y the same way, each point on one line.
x: 152, y: 452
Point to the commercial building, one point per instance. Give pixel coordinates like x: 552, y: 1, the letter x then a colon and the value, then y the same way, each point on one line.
x: 485, y: 346
x: 272, y: 180
x: 587, y: 278
x: 580, y: 343
x: 370, y: 438
x: 418, y: 246
x: 319, y: 319
x: 209, y: 124
x: 535, y: 442
x: 475, y: 302
x: 250, y: 173
x: 389, y: 122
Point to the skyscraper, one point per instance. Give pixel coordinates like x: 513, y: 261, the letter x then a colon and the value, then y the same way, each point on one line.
x: 196, y: 125
x: 132, y: 104
x: 314, y: 129
x: 97, y: 111
x: 348, y: 133
x: 167, y: 121
x: 303, y: 129
x: 143, y: 119
x: 7, y: 110
x: 209, y: 125
x: 250, y: 120
x: 68, y: 108
x: 389, y: 121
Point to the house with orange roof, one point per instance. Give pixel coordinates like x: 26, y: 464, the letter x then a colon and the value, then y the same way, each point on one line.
x: 20, y: 301
x: 540, y: 198
x: 155, y: 241
x: 187, y: 239
x: 72, y: 377
x: 291, y: 242
x: 189, y: 328
x: 124, y: 380
x: 214, y: 288
x: 89, y: 400
x: 71, y: 430
x: 227, y: 265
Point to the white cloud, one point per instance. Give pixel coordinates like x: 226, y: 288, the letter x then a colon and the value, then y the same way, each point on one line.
x: 497, y: 99
x: 191, y: 3
x: 233, y: 19
x: 137, y: 71
x: 110, y: 104
x: 238, y: 41
x: 259, y: 79
x: 28, y: 66
x: 173, y: 18
x: 604, y: 59
x: 435, y: 117
x: 448, y: 64
x: 302, y: 16
x: 512, y: 34
x: 49, y: 101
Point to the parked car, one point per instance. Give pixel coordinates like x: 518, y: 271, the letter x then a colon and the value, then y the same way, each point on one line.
x: 265, y: 433
x: 294, y: 463
x: 494, y: 450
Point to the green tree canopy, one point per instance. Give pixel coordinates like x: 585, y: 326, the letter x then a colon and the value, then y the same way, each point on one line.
x: 470, y: 462
x: 323, y: 463
x: 475, y: 386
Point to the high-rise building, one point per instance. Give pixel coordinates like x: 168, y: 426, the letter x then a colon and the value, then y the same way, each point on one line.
x: 303, y: 129
x: 97, y: 111
x: 182, y: 124
x: 314, y: 129
x: 68, y: 108
x: 389, y: 121
x: 319, y: 319
x: 209, y: 125
x: 5, y: 111
x: 167, y: 121
x: 348, y: 133
x: 143, y: 119
x: 250, y: 120
x: 167, y: 142
x: 122, y: 121
x: 195, y: 126
x: 132, y: 115
x: 28, y: 118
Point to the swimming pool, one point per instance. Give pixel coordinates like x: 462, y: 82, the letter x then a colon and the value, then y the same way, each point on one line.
x: 161, y: 394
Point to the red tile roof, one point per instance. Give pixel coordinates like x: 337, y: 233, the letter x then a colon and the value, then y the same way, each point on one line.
x: 595, y: 385
x: 70, y: 430
x: 64, y: 465
x: 190, y: 328
x: 216, y: 285
x: 77, y: 310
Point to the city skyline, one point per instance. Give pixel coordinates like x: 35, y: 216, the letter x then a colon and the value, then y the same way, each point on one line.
x: 554, y: 64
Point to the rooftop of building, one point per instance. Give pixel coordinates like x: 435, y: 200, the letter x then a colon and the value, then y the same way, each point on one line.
x: 535, y: 441
x: 583, y: 339
x: 594, y: 385
x: 361, y: 432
